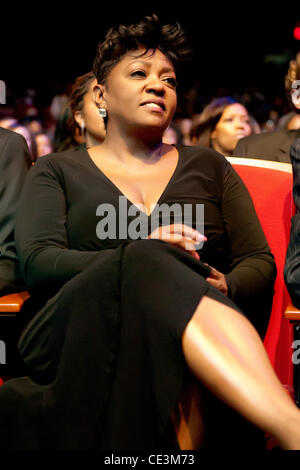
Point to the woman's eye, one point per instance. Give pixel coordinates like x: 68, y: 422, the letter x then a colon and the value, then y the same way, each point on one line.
x: 138, y: 73
x: 172, y: 81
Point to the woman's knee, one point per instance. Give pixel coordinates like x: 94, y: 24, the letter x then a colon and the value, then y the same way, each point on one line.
x: 145, y: 254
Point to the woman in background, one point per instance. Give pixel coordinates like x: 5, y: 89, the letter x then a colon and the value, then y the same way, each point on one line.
x: 80, y: 124
x: 222, y: 123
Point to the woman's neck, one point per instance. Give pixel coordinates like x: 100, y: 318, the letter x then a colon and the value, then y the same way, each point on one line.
x: 133, y: 150
x: 90, y: 140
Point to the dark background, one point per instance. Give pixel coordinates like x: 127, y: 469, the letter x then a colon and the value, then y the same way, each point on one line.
x: 235, y: 48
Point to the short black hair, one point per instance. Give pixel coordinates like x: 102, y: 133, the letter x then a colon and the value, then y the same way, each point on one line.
x: 150, y: 33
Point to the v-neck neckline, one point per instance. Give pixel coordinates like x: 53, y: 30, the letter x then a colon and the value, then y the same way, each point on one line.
x: 117, y: 189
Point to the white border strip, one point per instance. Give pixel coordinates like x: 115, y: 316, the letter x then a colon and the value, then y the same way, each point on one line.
x: 281, y: 166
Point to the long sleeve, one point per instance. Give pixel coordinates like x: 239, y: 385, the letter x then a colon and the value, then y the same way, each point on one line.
x: 46, y: 258
x: 252, y: 265
x: 15, y: 162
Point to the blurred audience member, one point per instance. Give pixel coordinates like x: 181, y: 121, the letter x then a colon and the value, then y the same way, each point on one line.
x: 221, y: 124
x: 34, y: 124
x: 27, y: 104
x: 58, y: 105
x: 64, y: 139
x: 43, y: 144
x: 294, y: 122
x: 285, y: 119
x: 13, y: 125
x: 254, y: 125
x: 80, y: 123
x: 6, y: 122
x: 275, y: 146
x: 85, y: 114
x: 15, y: 162
x: 172, y: 135
x: 184, y: 125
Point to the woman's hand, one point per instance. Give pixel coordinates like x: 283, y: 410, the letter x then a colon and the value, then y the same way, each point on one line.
x: 217, y: 280
x: 183, y: 236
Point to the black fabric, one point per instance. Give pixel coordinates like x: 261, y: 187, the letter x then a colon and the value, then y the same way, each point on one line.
x: 56, y: 224
x: 273, y: 146
x: 292, y: 266
x: 15, y: 162
x: 105, y: 350
x: 119, y: 362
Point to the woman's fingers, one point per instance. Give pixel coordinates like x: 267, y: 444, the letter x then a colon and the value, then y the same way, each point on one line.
x: 180, y: 235
x: 187, y: 231
x: 177, y: 232
x: 187, y: 244
x: 218, y: 280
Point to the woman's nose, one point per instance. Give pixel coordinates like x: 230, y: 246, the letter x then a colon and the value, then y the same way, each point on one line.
x: 155, y: 86
x: 240, y: 124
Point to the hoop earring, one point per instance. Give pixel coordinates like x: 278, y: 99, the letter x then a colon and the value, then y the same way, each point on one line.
x: 82, y: 127
x: 102, y: 112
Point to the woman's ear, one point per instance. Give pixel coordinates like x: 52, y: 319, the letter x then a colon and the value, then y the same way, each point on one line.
x: 98, y: 92
x: 79, y: 120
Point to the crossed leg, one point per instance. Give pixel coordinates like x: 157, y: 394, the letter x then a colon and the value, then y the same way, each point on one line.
x: 224, y: 351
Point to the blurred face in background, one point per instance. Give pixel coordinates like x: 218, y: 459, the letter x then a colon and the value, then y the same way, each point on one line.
x: 43, y: 144
x: 7, y: 123
x: 13, y: 125
x: 170, y: 137
x: 233, y: 125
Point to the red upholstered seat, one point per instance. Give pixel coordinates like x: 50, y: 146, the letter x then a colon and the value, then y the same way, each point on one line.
x: 270, y: 186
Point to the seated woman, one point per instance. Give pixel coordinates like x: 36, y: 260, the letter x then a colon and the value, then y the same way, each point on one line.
x: 129, y: 316
x: 222, y: 123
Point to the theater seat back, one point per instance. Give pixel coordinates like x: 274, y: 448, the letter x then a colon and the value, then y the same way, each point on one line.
x: 270, y: 186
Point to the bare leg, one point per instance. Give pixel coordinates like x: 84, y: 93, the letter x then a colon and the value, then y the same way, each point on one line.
x: 224, y: 351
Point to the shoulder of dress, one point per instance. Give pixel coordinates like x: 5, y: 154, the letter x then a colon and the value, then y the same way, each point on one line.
x: 207, y: 161
x: 58, y: 158
x: 200, y: 151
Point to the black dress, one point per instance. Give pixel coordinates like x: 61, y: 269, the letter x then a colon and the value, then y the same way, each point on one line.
x: 105, y: 350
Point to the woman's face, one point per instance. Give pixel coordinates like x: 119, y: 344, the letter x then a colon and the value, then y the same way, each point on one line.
x: 89, y: 116
x: 233, y: 125
x: 140, y: 93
